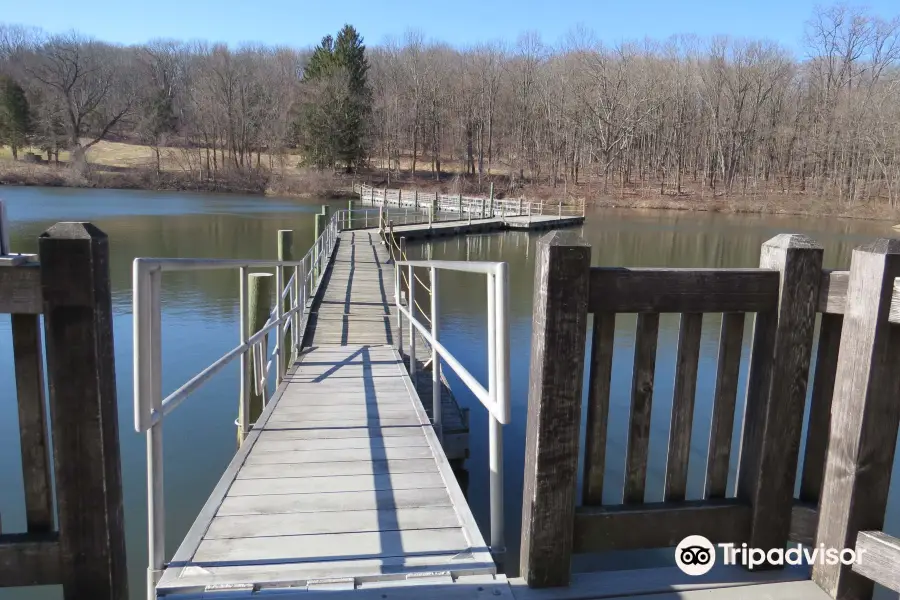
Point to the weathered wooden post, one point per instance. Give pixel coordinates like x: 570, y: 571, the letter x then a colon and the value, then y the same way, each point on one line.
x: 78, y: 329
x: 319, y: 229
x: 348, y: 222
x: 260, y: 291
x: 459, y: 199
x: 519, y: 211
x: 865, y: 415
x: 372, y: 196
x: 390, y: 238
x: 4, y: 231
x: 776, y: 389
x: 491, y: 211
x: 561, y: 284
x: 286, y: 253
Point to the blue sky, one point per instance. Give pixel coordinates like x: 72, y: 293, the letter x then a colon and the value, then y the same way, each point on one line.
x: 460, y: 22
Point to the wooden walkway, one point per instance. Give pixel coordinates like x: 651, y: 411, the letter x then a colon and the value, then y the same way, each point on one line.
x: 342, y: 481
x: 415, y: 231
x: 343, y: 491
x: 357, y: 305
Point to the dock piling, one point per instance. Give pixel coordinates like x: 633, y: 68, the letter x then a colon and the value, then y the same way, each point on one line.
x: 286, y: 252
x: 317, y: 231
x: 259, y: 295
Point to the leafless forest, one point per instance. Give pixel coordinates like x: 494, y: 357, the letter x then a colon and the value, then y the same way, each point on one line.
x: 683, y: 117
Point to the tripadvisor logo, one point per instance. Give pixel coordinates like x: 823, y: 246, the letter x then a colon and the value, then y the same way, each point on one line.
x: 696, y: 555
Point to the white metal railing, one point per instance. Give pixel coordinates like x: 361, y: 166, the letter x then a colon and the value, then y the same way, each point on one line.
x: 495, y: 397
x: 150, y: 408
x: 467, y: 206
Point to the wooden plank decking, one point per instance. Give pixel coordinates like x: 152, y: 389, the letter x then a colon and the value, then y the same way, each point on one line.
x: 342, y: 489
x: 357, y: 307
x: 342, y: 476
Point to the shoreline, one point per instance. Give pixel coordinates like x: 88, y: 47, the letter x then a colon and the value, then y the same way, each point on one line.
x: 335, y: 187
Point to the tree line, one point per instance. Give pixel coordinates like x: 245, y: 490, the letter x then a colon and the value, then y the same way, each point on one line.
x: 681, y: 116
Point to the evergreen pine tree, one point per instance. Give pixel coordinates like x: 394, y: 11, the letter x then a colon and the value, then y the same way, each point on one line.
x: 15, y: 119
x: 335, y: 116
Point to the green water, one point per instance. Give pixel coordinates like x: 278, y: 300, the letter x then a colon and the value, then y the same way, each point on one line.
x: 200, y: 324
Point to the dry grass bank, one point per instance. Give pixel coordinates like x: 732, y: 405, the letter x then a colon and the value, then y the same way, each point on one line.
x: 132, y: 166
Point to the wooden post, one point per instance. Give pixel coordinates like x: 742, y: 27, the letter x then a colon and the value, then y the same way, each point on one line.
x: 865, y: 415
x: 416, y: 198
x: 29, y: 367
x: 317, y: 231
x: 372, y: 196
x: 349, y: 224
x: 260, y: 288
x: 4, y: 231
x: 491, y: 212
x: 78, y: 329
x: 460, y: 207
x: 776, y: 390
x: 286, y: 252
x: 561, y: 284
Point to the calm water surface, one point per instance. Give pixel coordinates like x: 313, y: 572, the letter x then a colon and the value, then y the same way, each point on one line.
x: 200, y: 324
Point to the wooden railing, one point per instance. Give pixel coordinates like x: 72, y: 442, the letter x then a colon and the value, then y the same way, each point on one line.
x: 81, y: 545
x: 847, y: 460
x: 477, y: 207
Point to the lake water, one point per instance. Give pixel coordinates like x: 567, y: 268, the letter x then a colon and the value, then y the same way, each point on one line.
x: 200, y: 324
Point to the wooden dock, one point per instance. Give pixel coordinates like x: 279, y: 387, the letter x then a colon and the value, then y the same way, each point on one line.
x: 462, y: 227
x: 342, y: 480
x: 342, y: 489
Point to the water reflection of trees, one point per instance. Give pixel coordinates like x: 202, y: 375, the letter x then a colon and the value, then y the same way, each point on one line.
x: 211, y: 293
x: 639, y: 240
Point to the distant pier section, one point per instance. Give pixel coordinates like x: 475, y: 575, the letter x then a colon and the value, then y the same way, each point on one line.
x: 414, y: 214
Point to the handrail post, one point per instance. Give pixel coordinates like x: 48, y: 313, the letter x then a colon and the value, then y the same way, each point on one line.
x: 246, y: 369
x: 279, y: 327
x: 495, y: 430
x: 776, y: 390
x: 317, y: 230
x: 411, y: 283
x: 399, y: 313
x: 80, y: 353
x: 436, y: 404
x: 865, y: 417
x: 562, y: 277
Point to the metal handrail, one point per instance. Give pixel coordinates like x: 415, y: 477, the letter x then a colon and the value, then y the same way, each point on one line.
x: 495, y: 397
x: 150, y: 408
